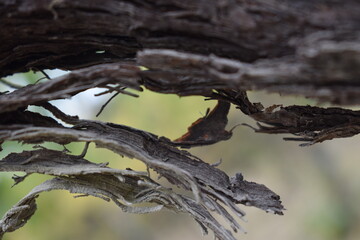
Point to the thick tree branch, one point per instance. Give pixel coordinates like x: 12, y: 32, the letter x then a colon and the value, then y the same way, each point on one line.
x: 187, y: 74
x: 69, y: 34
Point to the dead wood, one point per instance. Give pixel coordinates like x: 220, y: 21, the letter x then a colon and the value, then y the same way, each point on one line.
x: 214, y: 49
x: 209, y: 129
x: 179, y: 167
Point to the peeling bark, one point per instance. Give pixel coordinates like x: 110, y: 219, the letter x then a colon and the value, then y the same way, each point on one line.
x: 179, y: 167
x: 209, y: 129
x: 309, y: 124
x: 215, y: 49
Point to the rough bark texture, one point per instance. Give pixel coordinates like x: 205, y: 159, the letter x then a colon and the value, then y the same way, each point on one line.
x: 216, y: 49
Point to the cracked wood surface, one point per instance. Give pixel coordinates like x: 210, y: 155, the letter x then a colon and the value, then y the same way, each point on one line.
x: 313, y: 46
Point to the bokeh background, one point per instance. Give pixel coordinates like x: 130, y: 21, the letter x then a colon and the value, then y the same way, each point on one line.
x: 319, y: 185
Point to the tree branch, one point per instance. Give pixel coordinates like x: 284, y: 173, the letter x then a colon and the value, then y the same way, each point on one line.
x: 179, y: 167
x: 214, y: 49
x: 74, y: 34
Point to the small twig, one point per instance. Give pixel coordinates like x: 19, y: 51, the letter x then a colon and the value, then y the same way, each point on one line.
x: 107, y: 102
x: 65, y: 150
x: 38, y: 146
x: 37, y: 81
x: 110, y: 90
x: 148, y: 170
x: 82, y: 155
x: 45, y: 74
x: 117, y: 89
x: 10, y: 84
x: 18, y: 179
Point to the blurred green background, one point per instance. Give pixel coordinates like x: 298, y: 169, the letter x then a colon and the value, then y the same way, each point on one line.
x: 319, y: 185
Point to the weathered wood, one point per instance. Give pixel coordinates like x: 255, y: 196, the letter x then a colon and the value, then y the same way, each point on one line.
x: 67, y: 34
x: 215, y: 49
x: 120, y: 75
x: 208, y: 183
x: 188, y: 74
